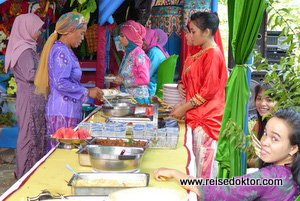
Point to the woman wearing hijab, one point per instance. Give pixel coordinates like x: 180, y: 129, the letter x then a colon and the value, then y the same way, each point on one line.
x: 162, y: 39
x: 59, y: 71
x: 156, y: 55
x: 21, y: 58
x: 135, y: 67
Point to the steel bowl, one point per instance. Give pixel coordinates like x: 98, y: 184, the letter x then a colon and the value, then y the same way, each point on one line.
x: 115, y: 159
x: 118, y: 109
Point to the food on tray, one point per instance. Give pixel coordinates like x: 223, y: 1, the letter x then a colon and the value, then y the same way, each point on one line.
x: 69, y: 133
x: 143, y: 105
x: 149, y: 110
x: 110, y: 182
x: 110, y: 92
x: 120, y: 142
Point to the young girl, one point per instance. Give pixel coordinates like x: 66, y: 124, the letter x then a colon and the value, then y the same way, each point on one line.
x: 264, y: 105
x: 280, y: 149
x: 204, y: 77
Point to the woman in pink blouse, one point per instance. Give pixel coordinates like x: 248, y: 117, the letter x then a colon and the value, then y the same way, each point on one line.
x: 135, y: 67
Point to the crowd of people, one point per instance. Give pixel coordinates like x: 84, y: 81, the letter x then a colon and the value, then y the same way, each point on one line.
x: 50, y: 96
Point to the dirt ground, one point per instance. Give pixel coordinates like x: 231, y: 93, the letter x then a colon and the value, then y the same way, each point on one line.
x: 7, y: 166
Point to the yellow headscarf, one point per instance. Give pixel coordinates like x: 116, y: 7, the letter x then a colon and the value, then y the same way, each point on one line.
x: 67, y: 23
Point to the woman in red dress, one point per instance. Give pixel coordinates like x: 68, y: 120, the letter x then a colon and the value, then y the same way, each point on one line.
x: 204, y: 77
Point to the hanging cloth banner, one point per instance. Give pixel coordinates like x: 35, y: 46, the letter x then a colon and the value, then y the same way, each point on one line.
x: 106, y: 9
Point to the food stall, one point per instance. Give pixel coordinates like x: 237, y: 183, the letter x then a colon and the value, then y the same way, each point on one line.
x: 51, y: 174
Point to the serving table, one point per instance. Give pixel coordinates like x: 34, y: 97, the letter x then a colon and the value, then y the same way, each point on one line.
x: 51, y: 173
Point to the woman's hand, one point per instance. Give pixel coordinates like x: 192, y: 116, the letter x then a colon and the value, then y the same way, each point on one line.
x: 96, y: 93
x: 181, y: 90
x: 180, y: 109
x: 178, y: 105
x: 165, y: 173
x: 176, y: 174
x: 118, y: 81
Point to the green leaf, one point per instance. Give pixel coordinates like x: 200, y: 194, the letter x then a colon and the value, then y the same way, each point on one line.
x: 82, y: 1
x: 285, y: 10
x: 72, y: 1
x: 286, y: 75
x: 86, y: 14
x: 91, y: 6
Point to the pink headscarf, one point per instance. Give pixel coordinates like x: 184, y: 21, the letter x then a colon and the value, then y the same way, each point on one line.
x: 151, y: 40
x: 134, y: 31
x: 162, y: 37
x: 21, y: 37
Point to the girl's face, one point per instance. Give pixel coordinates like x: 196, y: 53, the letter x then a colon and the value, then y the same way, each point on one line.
x: 76, y: 37
x: 198, y: 37
x: 188, y: 38
x: 264, y: 104
x: 276, y: 147
x: 144, y: 46
x: 123, y: 40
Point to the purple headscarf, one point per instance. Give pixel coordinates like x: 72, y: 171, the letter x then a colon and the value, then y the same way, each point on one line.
x: 162, y: 37
x: 151, y: 40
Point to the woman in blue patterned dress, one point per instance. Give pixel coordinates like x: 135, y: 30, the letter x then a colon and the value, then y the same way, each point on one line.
x: 280, y: 149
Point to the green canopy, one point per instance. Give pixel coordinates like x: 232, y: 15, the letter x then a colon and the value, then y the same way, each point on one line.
x: 245, y: 17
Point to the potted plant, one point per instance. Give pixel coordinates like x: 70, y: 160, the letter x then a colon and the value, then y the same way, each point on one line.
x: 11, y: 96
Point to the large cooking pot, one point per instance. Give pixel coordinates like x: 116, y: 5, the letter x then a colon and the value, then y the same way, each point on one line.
x: 118, y: 109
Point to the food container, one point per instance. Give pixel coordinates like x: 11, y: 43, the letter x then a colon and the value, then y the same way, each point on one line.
x: 83, y: 157
x: 150, y: 193
x: 114, y: 159
x: 118, y: 109
x: 47, y: 196
x: 106, y: 183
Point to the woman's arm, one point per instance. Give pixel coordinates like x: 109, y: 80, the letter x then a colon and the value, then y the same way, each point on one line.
x: 26, y: 64
x: 177, y: 175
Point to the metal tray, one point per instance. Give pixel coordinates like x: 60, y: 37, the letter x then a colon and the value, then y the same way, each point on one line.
x: 87, y: 197
x: 94, y: 189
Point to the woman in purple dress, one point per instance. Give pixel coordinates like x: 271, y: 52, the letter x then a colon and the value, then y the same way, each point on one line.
x: 60, y: 65
x: 22, y: 59
x: 280, y: 150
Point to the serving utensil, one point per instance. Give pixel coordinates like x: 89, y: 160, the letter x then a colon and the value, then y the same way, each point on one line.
x: 107, y: 101
x: 69, y: 167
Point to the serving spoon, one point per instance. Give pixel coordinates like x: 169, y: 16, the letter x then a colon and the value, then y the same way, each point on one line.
x: 107, y: 101
x: 76, y: 173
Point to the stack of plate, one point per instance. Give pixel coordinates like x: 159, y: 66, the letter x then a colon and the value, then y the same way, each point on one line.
x: 170, y: 94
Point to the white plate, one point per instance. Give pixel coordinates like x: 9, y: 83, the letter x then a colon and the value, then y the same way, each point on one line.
x: 124, y: 94
x: 109, y: 79
x: 172, y: 86
x: 110, y: 92
x: 172, y: 96
x: 172, y: 99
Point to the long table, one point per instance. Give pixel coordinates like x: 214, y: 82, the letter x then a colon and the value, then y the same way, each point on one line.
x: 51, y: 173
